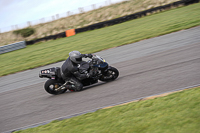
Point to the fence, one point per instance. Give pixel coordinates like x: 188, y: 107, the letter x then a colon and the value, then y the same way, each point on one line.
x: 58, y: 16
x: 12, y: 47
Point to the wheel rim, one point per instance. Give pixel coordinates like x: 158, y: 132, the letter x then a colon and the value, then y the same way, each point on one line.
x: 52, y: 87
x: 110, y: 74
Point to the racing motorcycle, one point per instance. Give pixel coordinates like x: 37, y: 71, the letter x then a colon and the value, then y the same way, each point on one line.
x: 99, y: 67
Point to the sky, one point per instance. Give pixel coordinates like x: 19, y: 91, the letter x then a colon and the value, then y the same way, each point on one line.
x: 14, y: 12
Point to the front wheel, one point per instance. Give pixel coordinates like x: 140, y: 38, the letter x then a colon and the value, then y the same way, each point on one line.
x: 51, y: 85
x: 111, y: 74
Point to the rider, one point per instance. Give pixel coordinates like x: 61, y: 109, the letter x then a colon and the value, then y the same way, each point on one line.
x: 70, y: 71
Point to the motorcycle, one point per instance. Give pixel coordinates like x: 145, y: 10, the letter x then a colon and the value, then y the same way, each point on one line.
x: 97, y: 65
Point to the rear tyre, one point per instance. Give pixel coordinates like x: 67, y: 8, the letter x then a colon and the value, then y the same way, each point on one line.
x: 51, y: 85
x: 111, y: 74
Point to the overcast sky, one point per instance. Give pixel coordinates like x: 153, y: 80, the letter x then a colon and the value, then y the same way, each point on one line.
x: 14, y: 12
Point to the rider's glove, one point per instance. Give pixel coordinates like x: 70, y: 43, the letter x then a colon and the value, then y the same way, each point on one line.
x: 90, y: 74
x: 90, y: 55
x: 87, y: 75
x: 87, y: 55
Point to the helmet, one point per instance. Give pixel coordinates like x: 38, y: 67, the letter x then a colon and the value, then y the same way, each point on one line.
x: 75, y: 56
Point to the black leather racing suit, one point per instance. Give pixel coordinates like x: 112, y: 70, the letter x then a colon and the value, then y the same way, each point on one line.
x: 70, y: 72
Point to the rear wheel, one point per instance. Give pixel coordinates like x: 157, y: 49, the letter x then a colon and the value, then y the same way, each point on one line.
x: 51, y: 86
x: 111, y: 74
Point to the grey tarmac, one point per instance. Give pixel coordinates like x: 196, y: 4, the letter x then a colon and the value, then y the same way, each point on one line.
x: 147, y: 67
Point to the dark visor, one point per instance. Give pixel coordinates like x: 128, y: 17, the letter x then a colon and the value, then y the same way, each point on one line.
x: 79, y: 59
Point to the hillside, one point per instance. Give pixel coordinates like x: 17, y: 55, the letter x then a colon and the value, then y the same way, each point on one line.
x: 84, y: 19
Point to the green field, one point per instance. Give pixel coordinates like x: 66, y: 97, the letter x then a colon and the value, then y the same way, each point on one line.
x: 92, y: 41
x: 175, y: 113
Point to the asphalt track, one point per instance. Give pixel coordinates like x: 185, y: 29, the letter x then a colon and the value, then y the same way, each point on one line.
x: 148, y: 67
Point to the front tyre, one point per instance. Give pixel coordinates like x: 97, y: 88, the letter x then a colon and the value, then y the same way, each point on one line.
x: 51, y: 85
x: 111, y: 74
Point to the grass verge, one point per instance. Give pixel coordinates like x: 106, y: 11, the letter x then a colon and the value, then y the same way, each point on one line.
x: 88, y: 42
x: 175, y: 113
